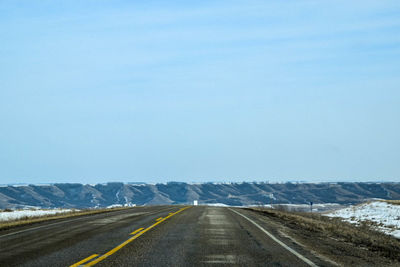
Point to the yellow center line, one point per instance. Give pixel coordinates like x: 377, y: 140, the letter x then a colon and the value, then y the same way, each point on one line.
x: 159, y: 218
x: 138, y: 230
x: 109, y: 253
x: 84, y: 260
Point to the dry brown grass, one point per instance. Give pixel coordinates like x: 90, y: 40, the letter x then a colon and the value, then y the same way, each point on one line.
x: 360, y: 236
x: 32, y: 220
x: 394, y: 202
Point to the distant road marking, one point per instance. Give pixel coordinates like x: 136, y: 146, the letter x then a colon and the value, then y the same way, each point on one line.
x: 84, y: 260
x: 138, y: 230
x: 109, y: 253
x: 159, y: 219
x: 277, y: 240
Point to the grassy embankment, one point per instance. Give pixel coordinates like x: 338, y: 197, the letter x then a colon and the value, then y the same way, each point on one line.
x: 4, y: 225
x: 327, y: 229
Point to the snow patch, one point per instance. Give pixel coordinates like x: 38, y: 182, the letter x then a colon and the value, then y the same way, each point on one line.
x: 319, y: 207
x: 120, y: 205
x: 20, y: 214
x: 114, y: 206
x: 385, y: 216
x: 117, y: 195
x: 217, y: 205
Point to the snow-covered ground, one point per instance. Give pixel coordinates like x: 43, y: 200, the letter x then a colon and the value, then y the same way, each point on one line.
x: 121, y: 205
x: 386, y: 216
x: 20, y: 214
x: 217, y: 205
x: 321, y: 207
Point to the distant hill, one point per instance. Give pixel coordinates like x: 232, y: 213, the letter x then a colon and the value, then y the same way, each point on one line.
x: 100, y: 195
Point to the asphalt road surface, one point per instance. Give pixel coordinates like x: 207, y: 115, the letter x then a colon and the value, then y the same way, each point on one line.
x: 154, y: 236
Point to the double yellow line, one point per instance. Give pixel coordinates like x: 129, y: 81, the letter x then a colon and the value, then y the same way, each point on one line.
x: 136, y: 234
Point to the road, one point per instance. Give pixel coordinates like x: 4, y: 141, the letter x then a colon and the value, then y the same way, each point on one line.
x: 154, y: 236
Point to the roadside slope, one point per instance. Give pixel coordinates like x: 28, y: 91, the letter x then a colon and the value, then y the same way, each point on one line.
x: 332, y: 238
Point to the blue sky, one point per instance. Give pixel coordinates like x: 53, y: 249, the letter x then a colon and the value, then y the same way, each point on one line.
x: 154, y: 91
